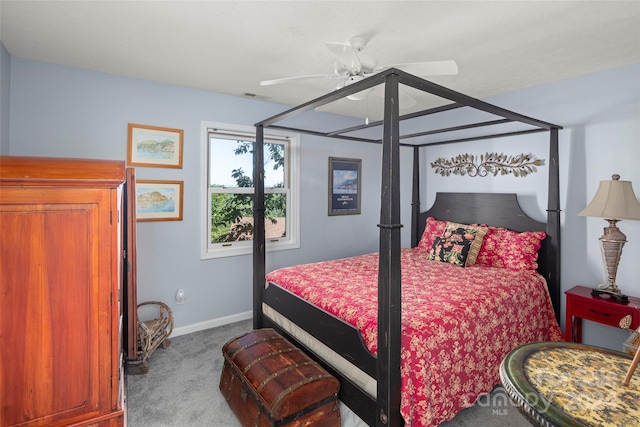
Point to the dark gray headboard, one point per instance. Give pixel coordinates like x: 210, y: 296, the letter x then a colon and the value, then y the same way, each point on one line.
x: 497, y: 209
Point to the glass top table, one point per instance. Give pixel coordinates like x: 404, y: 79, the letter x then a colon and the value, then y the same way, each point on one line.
x: 570, y: 384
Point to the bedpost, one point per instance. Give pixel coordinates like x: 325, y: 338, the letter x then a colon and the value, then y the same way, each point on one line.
x: 553, y: 223
x: 259, y: 272
x: 389, y: 274
x: 415, y: 198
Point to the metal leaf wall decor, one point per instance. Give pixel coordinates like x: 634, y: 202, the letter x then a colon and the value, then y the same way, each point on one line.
x: 520, y: 165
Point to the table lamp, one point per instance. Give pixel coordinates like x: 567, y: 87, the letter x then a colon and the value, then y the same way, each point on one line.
x: 614, y: 201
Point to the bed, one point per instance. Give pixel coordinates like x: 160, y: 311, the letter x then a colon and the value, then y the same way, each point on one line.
x: 369, y: 351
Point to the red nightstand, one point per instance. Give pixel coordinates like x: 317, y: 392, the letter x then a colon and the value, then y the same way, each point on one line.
x: 602, y: 309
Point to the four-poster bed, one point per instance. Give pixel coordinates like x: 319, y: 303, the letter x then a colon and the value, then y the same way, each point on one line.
x: 375, y: 392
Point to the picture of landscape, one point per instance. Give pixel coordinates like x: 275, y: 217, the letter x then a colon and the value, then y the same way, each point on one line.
x: 153, y: 146
x: 159, y: 200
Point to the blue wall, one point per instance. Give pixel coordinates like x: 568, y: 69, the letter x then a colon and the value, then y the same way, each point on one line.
x: 67, y: 112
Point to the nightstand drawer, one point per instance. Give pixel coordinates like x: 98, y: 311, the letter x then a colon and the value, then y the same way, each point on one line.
x: 608, y: 314
x: 582, y: 305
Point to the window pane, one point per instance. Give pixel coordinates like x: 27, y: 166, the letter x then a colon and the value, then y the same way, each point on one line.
x: 275, y: 215
x: 274, y: 165
x: 232, y: 217
x: 231, y: 163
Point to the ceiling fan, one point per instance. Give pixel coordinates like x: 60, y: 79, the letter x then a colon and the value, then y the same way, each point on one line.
x: 353, y: 65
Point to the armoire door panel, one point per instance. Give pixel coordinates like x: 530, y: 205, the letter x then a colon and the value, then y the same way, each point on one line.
x: 73, y: 307
x: 61, y: 307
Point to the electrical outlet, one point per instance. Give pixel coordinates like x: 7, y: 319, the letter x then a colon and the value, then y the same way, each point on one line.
x: 180, y: 296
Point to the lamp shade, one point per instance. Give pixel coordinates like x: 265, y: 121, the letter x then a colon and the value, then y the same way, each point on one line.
x: 615, y: 200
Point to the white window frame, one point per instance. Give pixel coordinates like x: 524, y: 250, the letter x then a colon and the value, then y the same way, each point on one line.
x: 292, y: 239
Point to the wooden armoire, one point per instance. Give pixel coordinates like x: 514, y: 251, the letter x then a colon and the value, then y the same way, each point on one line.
x: 61, y: 276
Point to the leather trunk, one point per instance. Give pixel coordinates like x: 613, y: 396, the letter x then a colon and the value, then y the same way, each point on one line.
x: 269, y: 382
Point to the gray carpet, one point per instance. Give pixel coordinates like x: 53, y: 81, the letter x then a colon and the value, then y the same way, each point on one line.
x: 181, y: 388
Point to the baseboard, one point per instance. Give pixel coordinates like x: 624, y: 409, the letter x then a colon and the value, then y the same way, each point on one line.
x: 201, y: 326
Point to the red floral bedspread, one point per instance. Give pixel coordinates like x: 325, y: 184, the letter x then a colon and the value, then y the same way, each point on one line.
x: 457, y: 323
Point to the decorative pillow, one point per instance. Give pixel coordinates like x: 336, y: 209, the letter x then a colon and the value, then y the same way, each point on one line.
x: 503, y: 248
x: 458, y: 245
x: 433, y: 228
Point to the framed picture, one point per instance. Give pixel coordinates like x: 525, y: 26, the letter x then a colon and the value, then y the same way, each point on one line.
x: 155, y: 147
x: 159, y: 200
x: 344, y: 186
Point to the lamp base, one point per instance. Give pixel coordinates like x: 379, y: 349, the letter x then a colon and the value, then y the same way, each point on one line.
x: 596, y: 292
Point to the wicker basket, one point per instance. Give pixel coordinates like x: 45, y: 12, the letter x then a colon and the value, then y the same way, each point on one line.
x: 152, y: 334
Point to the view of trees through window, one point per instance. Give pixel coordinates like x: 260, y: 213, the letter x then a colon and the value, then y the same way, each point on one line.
x: 231, y: 187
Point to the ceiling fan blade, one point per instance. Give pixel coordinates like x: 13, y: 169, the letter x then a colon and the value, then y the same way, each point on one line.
x: 406, y: 100
x: 345, y: 54
x: 432, y: 68
x: 290, y: 79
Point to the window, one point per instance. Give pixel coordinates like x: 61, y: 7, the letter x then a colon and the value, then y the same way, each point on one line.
x: 228, y: 190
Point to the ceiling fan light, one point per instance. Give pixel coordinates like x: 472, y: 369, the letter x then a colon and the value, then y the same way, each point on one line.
x: 359, y: 96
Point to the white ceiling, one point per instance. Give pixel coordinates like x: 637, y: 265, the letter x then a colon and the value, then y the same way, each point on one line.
x: 230, y: 46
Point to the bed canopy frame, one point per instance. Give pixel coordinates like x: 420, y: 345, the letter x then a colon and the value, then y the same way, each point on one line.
x: 389, y: 282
